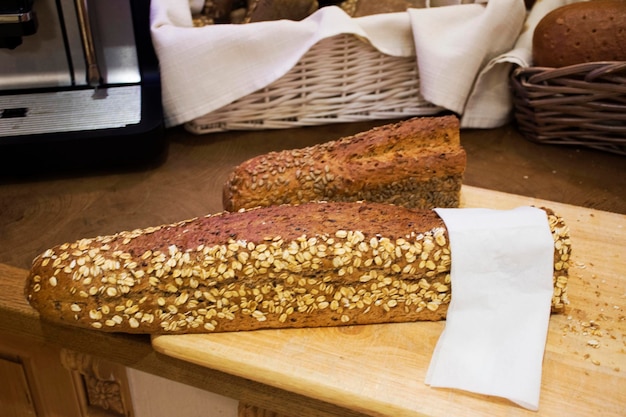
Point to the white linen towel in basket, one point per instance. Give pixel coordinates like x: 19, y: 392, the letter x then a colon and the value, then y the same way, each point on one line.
x: 206, y: 68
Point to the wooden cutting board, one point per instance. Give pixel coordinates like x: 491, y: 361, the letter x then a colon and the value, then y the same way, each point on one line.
x: 380, y: 369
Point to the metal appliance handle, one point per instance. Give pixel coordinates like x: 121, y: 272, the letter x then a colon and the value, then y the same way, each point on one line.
x: 94, y: 76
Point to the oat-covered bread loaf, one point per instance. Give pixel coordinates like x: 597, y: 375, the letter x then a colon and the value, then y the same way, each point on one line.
x: 414, y: 163
x: 581, y: 32
x: 318, y: 264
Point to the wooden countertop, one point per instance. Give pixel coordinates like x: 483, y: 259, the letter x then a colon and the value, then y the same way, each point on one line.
x: 40, y: 211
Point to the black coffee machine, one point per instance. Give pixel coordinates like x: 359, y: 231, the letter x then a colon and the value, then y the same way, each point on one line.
x: 79, y: 84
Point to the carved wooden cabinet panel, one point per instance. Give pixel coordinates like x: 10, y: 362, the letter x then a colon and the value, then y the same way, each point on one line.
x: 33, y: 380
x: 101, y: 386
x: 15, y: 396
x: 45, y: 381
x: 37, y: 380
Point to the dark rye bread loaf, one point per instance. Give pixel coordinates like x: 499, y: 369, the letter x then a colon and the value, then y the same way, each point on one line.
x: 414, y: 163
x: 359, y: 8
x: 588, y: 31
x: 266, y: 10
x: 318, y: 264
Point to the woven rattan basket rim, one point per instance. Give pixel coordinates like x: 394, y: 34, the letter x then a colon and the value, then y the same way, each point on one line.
x: 592, y: 70
x: 340, y: 79
x: 582, y: 104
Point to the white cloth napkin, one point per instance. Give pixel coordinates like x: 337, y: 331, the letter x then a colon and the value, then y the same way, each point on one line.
x: 203, y: 69
x: 454, y: 45
x: 491, y: 103
x: 497, y: 322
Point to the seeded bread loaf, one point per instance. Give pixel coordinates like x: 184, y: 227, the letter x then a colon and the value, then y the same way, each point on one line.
x: 581, y: 32
x: 318, y: 264
x: 416, y: 163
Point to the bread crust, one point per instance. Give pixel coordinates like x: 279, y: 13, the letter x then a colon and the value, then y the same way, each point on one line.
x: 414, y: 163
x: 317, y: 264
x: 581, y: 32
x: 359, y: 8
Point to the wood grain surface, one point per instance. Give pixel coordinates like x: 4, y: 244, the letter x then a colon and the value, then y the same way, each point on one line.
x: 379, y: 370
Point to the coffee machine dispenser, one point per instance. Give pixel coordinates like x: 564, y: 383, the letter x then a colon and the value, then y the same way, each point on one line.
x: 79, y: 78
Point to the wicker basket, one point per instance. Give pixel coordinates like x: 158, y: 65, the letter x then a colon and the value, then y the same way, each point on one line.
x: 583, y: 104
x: 340, y: 79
